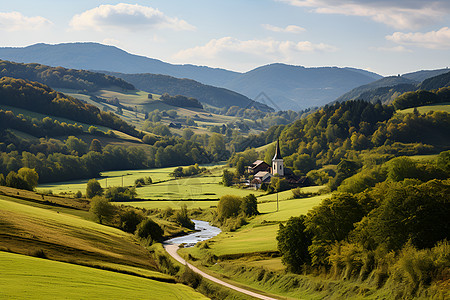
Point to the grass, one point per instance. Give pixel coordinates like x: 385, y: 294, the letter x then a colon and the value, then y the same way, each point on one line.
x: 69, y: 238
x: 427, y: 108
x: 165, y: 188
x: 24, y: 277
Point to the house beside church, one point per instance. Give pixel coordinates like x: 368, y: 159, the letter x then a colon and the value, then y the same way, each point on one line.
x: 263, y: 172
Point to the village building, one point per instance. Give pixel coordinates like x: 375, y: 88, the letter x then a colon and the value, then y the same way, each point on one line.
x: 262, y: 172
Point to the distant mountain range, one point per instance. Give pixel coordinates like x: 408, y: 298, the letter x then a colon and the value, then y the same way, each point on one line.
x: 288, y: 87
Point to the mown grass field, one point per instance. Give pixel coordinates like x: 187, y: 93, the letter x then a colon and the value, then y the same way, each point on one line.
x: 164, y: 188
x: 24, y: 277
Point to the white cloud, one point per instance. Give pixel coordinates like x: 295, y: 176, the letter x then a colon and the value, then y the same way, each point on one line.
x: 287, y: 29
x: 126, y: 16
x: 15, y: 21
x: 398, y: 49
x: 400, y: 14
x: 267, y: 48
x: 433, y: 39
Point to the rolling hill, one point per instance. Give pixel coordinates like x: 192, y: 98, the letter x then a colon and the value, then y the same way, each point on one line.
x: 288, y: 87
x: 388, y: 88
x: 215, y: 96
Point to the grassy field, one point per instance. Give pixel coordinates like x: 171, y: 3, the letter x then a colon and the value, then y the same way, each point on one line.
x: 260, y: 234
x: 165, y: 188
x: 65, y: 237
x: 23, y: 277
x: 427, y: 108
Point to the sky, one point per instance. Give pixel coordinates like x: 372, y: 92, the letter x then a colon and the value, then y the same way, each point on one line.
x: 386, y: 37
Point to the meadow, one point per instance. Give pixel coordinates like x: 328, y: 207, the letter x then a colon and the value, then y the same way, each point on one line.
x: 24, y: 277
x: 66, y: 237
x: 164, y: 188
x: 427, y: 108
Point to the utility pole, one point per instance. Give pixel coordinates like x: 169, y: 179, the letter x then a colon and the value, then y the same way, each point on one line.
x: 277, y: 200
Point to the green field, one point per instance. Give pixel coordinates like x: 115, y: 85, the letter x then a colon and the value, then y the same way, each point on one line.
x: 427, y: 108
x: 203, y: 187
x: 260, y: 234
x: 24, y: 277
x: 66, y: 237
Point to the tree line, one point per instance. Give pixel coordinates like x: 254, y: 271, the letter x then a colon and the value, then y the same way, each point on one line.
x: 59, y: 77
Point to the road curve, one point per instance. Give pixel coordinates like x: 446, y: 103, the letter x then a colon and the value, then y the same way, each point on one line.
x: 172, y: 250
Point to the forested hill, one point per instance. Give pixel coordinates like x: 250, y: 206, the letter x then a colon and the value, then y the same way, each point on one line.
x: 215, y: 96
x: 40, y: 98
x: 387, y: 89
x: 58, y: 77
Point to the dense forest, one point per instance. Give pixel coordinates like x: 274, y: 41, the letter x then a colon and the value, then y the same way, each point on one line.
x: 59, y: 77
x: 392, y: 234
x: 40, y: 98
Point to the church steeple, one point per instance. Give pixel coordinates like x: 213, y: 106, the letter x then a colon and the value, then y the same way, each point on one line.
x: 277, y: 161
x: 277, y: 151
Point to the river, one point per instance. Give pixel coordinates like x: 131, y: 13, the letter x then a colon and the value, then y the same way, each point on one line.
x: 204, y: 232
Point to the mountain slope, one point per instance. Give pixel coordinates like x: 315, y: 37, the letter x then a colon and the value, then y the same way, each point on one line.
x: 296, y: 87
x: 424, y: 74
x: 40, y: 98
x: 391, y: 81
x: 215, y: 96
x: 58, y: 77
x: 94, y: 56
x: 436, y: 82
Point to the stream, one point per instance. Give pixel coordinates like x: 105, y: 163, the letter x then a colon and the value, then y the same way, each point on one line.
x: 203, y: 232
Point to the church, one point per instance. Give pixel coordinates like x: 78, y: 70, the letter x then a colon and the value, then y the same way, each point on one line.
x: 263, y: 172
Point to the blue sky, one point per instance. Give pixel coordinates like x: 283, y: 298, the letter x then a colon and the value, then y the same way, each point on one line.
x: 387, y: 37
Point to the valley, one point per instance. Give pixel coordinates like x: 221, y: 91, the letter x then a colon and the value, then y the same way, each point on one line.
x: 332, y: 183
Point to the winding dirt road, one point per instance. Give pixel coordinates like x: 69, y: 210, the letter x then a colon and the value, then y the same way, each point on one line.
x: 172, y: 250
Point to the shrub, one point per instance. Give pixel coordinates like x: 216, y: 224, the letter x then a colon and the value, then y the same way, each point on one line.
x: 249, y: 205
x: 229, y: 206
x: 150, y: 230
x: 118, y: 193
x: 130, y: 219
x: 293, y: 242
x: 93, y: 188
x: 102, y: 209
x: 182, y: 218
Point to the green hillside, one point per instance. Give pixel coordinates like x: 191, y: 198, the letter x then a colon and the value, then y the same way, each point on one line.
x: 23, y: 276
x: 59, y: 77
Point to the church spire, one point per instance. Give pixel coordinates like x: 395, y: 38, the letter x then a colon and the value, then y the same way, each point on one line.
x: 277, y: 151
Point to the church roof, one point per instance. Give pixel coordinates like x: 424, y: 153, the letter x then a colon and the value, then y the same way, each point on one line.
x: 277, y: 152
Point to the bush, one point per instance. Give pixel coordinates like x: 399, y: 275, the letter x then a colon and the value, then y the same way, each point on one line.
x: 118, y: 193
x: 249, y: 205
x: 130, y: 219
x: 150, y: 230
x: 182, y: 218
x: 293, y: 242
x: 93, y: 188
x: 229, y: 206
x: 102, y: 209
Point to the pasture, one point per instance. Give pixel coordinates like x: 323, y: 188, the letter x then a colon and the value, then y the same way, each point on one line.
x: 164, y: 188
x: 24, y: 277
x: 427, y: 108
x: 65, y: 237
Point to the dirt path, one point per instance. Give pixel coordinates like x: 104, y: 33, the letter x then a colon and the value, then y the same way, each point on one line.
x: 172, y: 250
